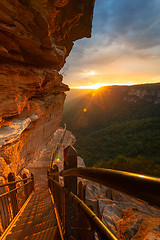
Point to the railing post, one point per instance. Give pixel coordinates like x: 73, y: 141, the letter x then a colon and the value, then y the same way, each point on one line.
x: 55, y: 189
x: 84, y: 223
x: 26, y: 192
x: 49, y: 181
x: 13, y: 195
x: 81, y: 191
x: 55, y: 169
x: 32, y: 183
x: 70, y: 161
x: 4, y: 213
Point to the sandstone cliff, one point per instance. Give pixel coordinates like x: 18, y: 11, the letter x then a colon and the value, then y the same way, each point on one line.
x: 35, y: 38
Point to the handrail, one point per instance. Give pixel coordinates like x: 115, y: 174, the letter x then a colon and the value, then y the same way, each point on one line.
x: 12, y: 200
x: 99, y: 225
x: 3, y: 194
x: 141, y: 187
x: 57, y: 146
x: 10, y: 183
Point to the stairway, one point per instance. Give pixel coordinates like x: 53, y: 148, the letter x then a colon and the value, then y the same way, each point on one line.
x: 37, y: 221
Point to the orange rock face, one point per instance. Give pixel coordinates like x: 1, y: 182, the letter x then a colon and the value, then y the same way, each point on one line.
x: 35, y: 38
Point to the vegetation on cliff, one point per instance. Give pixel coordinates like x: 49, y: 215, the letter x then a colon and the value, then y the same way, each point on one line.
x: 111, y: 105
x: 118, y: 121
x: 138, y: 137
x: 139, y: 165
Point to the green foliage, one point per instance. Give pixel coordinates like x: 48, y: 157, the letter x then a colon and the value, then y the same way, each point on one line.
x: 106, y: 107
x: 138, y: 137
x: 117, y: 123
x: 139, y: 165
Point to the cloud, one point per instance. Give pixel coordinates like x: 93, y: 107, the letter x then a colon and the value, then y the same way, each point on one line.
x: 136, y: 22
x: 122, y: 29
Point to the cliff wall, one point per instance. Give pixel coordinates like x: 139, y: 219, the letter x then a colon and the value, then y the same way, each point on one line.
x: 36, y: 36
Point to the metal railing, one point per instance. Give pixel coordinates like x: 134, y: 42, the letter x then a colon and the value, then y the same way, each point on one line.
x: 76, y: 219
x: 143, y: 188
x: 58, y: 145
x: 12, y: 197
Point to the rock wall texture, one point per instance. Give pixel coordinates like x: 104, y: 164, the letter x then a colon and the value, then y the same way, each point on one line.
x: 36, y: 36
x: 127, y: 219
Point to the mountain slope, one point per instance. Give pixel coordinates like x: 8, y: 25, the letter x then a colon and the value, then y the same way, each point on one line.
x: 138, y: 137
x: 115, y: 120
x: 114, y: 104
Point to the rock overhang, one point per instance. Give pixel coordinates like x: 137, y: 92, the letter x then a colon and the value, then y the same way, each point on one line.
x: 35, y: 39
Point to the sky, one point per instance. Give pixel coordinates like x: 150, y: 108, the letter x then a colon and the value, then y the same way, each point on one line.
x: 124, y: 47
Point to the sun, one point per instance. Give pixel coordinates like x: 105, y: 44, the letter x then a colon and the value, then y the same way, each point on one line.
x: 97, y: 85
x: 92, y: 73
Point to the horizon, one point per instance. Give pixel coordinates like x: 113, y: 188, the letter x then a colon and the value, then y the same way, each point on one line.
x: 109, y: 85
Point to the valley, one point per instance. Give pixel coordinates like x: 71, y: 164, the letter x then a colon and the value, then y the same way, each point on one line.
x: 116, y: 121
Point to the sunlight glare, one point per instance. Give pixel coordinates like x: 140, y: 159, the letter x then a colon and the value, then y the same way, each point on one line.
x: 93, y: 86
x: 89, y: 73
x: 58, y: 159
x: 92, y: 73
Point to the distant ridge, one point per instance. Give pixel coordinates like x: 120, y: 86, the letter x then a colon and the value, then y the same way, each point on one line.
x: 92, y: 116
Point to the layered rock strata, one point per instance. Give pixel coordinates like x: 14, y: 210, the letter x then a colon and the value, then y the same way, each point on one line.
x: 35, y: 39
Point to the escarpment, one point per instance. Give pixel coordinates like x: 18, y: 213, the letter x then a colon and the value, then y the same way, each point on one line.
x: 35, y: 39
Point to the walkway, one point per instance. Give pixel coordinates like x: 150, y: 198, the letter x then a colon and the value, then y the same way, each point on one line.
x: 37, y: 221
x: 40, y: 165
